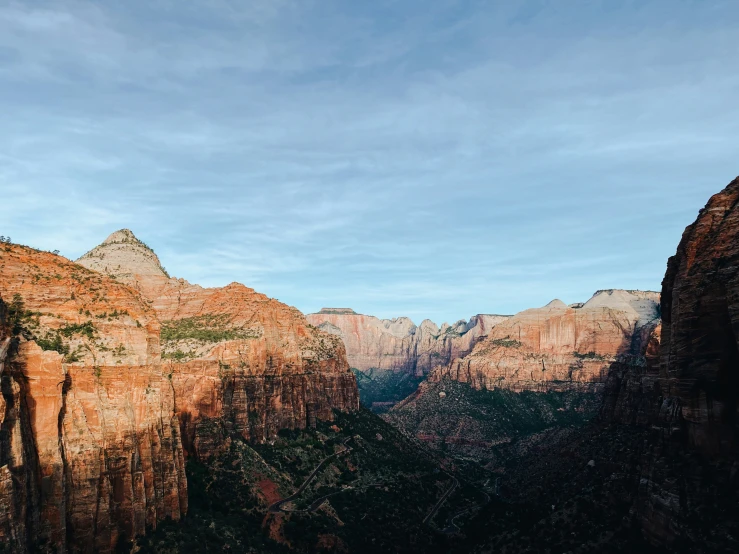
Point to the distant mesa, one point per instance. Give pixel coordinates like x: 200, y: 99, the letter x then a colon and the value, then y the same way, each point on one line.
x: 338, y: 311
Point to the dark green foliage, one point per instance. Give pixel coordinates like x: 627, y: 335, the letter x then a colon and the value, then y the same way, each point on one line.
x: 177, y: 355
x: 473, y: 422
x: 86, y: 329
x: 24, y: 322
x: 206, y: 328
x: 589, y: 356
x: 507, y: 343
x: 18, y: 316
x: 53, y: 342
x: 392, y: 482
x: 376, y: 385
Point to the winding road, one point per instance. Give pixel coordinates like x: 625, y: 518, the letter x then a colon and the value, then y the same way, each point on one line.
x: 441, y: 500
x: 277, y: 506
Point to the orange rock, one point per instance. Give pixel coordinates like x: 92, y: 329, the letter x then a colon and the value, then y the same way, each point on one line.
x: 259, y: 368
x: 398, y: 344
x: 93, y: 446
x: 557, y: 347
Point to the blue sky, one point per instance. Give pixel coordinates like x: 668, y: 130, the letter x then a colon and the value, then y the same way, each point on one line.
x: 430, y: 159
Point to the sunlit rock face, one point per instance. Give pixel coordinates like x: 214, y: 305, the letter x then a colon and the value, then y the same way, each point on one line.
x: 558, y: 347
x: 239, y: 362
x: 90, y: 449
x: 398, y: 344
x: 95, y: 425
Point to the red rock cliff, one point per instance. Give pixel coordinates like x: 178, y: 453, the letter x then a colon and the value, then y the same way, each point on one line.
x: 398, y: 344
x: 90, y: 451
x: 686, y: 393
x: 557, y: 347
x: 239, y: 361
x: 700, y: 313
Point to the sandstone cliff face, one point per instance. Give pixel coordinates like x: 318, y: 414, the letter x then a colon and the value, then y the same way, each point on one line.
x: 686, y: 391
x: 700, y: 357
x: 90, y: 451
x: 684, y: 496
x: 398, y: 344
x: 558, y: 347
x: 632, y: 387
x: 239, y: 362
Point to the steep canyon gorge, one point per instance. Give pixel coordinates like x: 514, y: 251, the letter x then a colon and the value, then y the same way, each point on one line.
x: 132, y: 400
x: 98, y: 417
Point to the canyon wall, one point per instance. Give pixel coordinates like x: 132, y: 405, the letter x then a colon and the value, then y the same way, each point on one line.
x: 101, y: 401
x: 687, y: 392
x: 558, y: 347
x: 90, y: 451
x: 699, y: 367
x: 398, y: 344
x: 239, y: 362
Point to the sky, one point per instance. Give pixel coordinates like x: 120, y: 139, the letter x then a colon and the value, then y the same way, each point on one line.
x: 430, y: 159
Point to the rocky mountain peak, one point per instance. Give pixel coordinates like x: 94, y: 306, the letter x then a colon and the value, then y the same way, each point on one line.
x: 643, y: 304
x: 122, y: 255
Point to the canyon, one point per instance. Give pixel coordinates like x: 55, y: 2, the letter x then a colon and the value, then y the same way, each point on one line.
x: 239, y: 362
x: 558, y: 347
x: 398, y: 344
x: 101, y: 405
x: 141, y: 411
x: 656, y: 470
x: 532, y: 374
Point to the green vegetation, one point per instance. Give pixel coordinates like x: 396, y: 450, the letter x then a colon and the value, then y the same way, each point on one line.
x: 177, y: 355
x: 589, y: 356
x: 53, y: 342
x: 206, y: 329
x: 19, y: 319
x: 378, y: 386
x: 379, y: 492
x: 86, y: 329
x: 483, y: 423
x: 507, y: 343
x: 25, y: 323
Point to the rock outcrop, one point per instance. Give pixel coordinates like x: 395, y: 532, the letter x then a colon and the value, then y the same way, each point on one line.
x: 680, y: 397
x: 90, y: 450
x: 558, y: 347
x: 398, y: 344
x: 688, y: 396
x: 101, y: 402
x: 700, y: 313
x: 239, y: 362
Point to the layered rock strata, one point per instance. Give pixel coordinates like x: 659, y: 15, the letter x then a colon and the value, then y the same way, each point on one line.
x: 398, y: 344
x: 90, y: 450
x: 558, y: 347
x: 239, y: 362
x: 687, y: 392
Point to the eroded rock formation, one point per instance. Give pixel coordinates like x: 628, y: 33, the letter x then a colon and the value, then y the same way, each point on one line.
x: 700, y: 312
x: 688, y: 489
x: 558, y: 347
x: 93, y: 419
x: 239, y: 362
x: 398, y: 344
x: 90, y: 451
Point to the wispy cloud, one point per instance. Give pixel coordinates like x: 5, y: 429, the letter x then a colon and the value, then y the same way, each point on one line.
x: 403, y: 158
